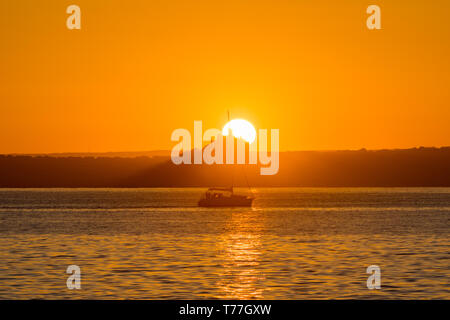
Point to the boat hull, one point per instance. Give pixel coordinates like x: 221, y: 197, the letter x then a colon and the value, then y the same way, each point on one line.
x: 226, y: 202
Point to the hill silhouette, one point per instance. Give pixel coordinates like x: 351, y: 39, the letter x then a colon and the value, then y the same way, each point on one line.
x: 417, y: 167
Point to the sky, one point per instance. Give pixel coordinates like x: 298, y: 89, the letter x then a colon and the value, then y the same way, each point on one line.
x: 139, y: 69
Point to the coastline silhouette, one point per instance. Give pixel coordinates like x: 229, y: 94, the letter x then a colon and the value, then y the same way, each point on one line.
x: 417, y: 167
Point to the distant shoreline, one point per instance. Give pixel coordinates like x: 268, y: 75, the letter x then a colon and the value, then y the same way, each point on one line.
x: 166, y: 153
x: 417, y: 167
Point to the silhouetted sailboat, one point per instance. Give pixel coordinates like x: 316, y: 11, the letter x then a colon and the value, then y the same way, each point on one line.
x: 225, y: 197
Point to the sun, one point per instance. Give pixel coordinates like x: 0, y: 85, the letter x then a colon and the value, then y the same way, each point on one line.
x: 240, y: 128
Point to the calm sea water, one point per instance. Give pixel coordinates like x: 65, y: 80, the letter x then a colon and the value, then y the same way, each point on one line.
x: 295, y: 243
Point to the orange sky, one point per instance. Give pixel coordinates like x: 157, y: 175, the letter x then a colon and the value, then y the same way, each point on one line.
x: 137, y: 70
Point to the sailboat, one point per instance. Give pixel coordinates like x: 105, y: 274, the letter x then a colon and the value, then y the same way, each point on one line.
x: 225, y: 197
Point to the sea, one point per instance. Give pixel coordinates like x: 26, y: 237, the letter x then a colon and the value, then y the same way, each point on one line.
x: 294, y: 243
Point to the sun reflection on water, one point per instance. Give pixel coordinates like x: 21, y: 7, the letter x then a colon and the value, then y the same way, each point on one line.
x: 240, y: 250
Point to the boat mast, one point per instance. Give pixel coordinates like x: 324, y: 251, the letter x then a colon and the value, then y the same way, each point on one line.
x: 232, y: 172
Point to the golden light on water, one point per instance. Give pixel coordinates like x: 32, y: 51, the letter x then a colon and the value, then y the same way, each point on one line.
x: 240, y: 128
x: 240, y: 247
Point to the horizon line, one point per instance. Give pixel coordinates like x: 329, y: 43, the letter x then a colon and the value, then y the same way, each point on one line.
x: 168, y: 151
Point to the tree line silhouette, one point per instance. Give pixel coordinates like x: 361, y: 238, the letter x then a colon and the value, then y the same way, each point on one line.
x: 417, y: 167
